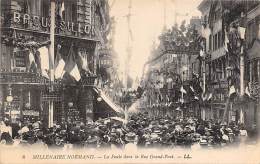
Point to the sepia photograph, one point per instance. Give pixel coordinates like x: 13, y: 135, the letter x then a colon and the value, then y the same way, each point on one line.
x: 129, y: 81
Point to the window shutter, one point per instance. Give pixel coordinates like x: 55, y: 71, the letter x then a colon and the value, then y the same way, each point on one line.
x: 84, y: 11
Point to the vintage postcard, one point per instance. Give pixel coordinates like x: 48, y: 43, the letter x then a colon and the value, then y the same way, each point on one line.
x: 129, y: 81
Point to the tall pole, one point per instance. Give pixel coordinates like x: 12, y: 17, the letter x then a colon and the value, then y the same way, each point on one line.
x: 242, y: 67
x: 204, y: 77
x: 129, y: 48
x: 51, y: 60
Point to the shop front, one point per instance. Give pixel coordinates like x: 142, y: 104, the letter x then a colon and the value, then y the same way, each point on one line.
x: 24, y: 77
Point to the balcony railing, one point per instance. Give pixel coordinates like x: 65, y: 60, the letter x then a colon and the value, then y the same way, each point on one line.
x: 9, y: 77
x: 32, y: 78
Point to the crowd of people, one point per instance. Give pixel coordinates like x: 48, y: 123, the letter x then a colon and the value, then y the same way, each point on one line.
x: 140, y: 131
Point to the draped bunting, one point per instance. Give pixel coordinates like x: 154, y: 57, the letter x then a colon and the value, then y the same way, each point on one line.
x: 71, y: 66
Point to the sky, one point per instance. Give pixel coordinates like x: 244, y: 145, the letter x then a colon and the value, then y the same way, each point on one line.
x: 146, y: 23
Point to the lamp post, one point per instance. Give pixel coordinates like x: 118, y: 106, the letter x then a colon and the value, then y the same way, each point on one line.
x: 9, y: 100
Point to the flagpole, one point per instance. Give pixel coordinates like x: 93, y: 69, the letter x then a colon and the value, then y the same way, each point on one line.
x: 242, y: 67
x: 51, y: 60
x: 204, y: 76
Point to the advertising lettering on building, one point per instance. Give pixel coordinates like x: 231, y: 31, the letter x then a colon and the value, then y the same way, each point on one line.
x: 42, y: 24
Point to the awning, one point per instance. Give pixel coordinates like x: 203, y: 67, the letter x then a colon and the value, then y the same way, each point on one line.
x: 119, y: 119
x: 254, y: 51
x: 108, y: 101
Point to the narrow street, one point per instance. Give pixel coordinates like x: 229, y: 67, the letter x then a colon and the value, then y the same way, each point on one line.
x: 129, y: 75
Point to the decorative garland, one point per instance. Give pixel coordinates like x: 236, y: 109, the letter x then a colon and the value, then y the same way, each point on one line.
x: 23, y: 42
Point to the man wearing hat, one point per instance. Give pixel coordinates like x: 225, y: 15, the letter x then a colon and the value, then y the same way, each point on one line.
x: 92, y: 141
x: 6, y: 132
x: 131, y: 139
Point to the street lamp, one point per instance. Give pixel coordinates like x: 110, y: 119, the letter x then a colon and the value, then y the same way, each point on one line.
x: 99, y: 99
x: 9, y: 100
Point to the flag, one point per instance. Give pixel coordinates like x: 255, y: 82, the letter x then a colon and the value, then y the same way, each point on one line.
x: 204, y: 96
x: 226, y: 42
x: 83, y: 60
x: 209, y: 96
x: 59, y: 65
x: 31, y: 59
x: 62, y: 8
x: 202, y: 53
x: 232, y: 90
x: 71, y: 67
x: 242, y: 32
x: 247, y: 91
x: 38, y: 60
x: 178, y: 109
x: 167, y: 98
x: 183, y: 90
x: 192, y: 89
x: 44, y: 61
x: 242, y: 120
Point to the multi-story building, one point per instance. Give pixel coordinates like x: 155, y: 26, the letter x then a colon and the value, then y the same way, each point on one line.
x: 218, y: 18
x: 214, y: 46
x: 170, y: 70
x: 25, y: 27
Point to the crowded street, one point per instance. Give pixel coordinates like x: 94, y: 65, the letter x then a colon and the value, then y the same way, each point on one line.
x: 141, y: 131
x: 129, y: 75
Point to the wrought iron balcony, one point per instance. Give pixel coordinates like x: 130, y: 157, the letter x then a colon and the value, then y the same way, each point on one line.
x: 10, y: 77
x: 33, y: 78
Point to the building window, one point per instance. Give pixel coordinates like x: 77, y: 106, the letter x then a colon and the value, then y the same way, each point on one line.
x: 224, y: 67
x: 214, y: 70
x: 213, y: 42
x: 70, y: 11
x: 216, y: 41
x: 45, y: 8
x: 219, y: 39
x: 74, y: 12
x: 35, y: 7
x: 210, y: 42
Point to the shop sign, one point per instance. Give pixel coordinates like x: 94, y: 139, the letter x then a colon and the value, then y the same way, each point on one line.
x: 43, y: 24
